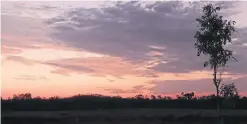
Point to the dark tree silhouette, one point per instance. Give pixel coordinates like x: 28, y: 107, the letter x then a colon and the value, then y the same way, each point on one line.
x: 214, y: 33
x: 186, y: 96
x: 22, y: 96
x: 153, y: 97
x: 189, y: 96
x: 230, y: 93
x: 94, y: 102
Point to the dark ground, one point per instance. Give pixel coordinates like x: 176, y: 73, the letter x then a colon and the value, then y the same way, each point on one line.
x: 125, y: 116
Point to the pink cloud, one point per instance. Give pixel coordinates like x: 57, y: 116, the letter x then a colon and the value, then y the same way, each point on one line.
x: 97, y: 66
x: 29, y: 77
x: 20, y: 59
x: 10, y: 50
x: 15, y: 42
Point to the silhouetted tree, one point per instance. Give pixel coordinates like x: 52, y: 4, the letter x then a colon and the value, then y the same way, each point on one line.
x: 84, y: 102
x: 22, y: 96
x: 186, y: 96
x: 140, y: 96
x: 159, y: 97
x: 153, y: 97
x: 189, y: 96
x: 181, y: 96
x: 213, y: 35
x: 167, y: 98
x: 230, y: 93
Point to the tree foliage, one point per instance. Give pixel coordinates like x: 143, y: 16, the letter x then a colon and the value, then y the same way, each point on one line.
x: 230, y: 94
x: 215, y: 32
x: 228, y: 91
x: 187, y: 96
x: 23, y: 96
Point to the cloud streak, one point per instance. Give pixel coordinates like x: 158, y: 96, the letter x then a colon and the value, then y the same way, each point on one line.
x: 32, y: 78
x: 99, y: 66
x: 139, y: 89
x: 20, y: 59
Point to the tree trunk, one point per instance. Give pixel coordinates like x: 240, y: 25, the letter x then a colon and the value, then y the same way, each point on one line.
x: 217, y: 94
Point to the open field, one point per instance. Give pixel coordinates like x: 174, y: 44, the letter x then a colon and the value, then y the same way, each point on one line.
x: 125, y: 116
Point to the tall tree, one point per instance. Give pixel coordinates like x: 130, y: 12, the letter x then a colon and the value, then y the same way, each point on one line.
x: 214, y: 33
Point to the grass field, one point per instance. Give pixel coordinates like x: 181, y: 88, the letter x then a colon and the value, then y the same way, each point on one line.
x: 125, y: 116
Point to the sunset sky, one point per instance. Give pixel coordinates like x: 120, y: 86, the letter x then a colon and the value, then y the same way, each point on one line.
x: 112, y: 48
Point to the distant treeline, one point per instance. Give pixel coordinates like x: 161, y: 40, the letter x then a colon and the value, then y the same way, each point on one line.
x: 86, y: 102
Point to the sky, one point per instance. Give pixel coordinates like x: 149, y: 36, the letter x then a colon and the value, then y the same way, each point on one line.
x: 112, y: 48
